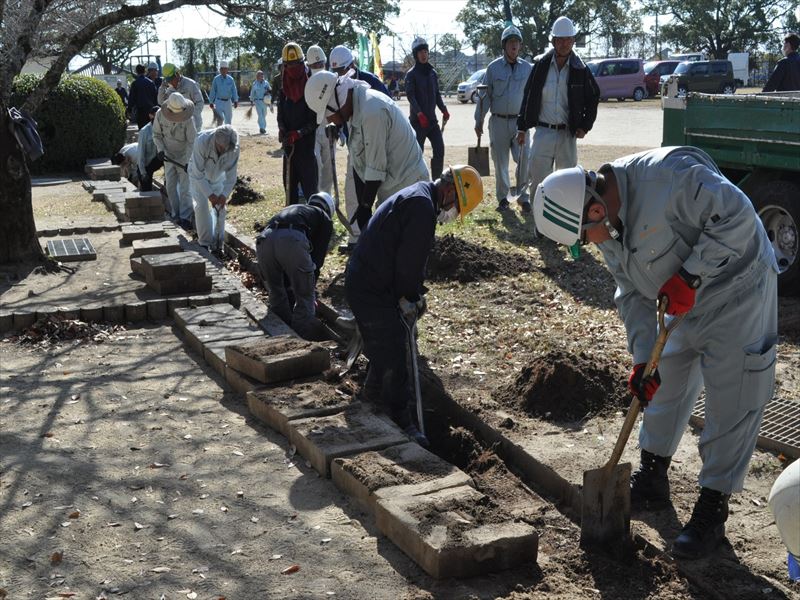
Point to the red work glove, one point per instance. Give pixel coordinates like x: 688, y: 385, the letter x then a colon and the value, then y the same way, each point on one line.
x: 680, y: 295
x: 445, y: 116
x: 643, y: 388
x: 293, y: 137
x: 423, y: 120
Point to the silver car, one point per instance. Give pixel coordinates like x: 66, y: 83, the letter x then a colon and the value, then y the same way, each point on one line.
x: 468, y: 90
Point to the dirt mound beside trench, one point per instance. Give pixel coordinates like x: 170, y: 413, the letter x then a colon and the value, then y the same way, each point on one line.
x: 243, y: 192
x: 455, y: 259
x: 565, y: 387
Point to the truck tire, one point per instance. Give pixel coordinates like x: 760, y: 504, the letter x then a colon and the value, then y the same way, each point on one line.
x: 778, y: 205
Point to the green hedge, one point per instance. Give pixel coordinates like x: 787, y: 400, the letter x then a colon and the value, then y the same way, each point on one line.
x: 81, y: 118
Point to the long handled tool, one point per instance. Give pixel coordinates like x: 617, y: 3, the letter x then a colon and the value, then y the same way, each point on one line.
x: 411, y: 332
x: 342, y: 217
x: 478, y: 157
x: 606, y: 514
x: 219, y: 228
x: 287, y: 172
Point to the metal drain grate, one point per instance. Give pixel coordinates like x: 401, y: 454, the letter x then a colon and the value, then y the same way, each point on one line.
x: 71, y: 249
x: 780, y: 427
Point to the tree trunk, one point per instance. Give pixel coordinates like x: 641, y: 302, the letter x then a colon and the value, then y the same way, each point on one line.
x: 18, y: 241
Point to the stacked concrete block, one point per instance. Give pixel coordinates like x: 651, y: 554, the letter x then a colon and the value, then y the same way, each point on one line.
x: 176, y: 273
x: 276, y: 406
x: 162, y: 245
x: 144, y: 206
x: 279, y: 358
x: 101, y: 168
x: 144, y: 232
x: 321, y: 439
x: 404, y: 470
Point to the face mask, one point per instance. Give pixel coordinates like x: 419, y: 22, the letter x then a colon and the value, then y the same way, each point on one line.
x: 446, y: 216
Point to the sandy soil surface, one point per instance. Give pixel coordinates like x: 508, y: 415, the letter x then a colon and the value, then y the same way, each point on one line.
x: 123, y: 461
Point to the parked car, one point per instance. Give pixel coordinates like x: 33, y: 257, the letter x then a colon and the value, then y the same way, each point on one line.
x: 653, y: 70
x: 707, y: 76
x: 619, y: 78
x: 468, y: 90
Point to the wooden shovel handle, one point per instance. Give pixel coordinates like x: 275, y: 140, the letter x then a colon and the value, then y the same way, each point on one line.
x: 479, y: 140
x: 652, y: 364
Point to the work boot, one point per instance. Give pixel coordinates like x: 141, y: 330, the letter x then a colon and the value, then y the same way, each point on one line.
x: 405, y: 421
x: 706, y: 528
x: 650, y: 483
x: 524, y: 206
x: 502, y: 206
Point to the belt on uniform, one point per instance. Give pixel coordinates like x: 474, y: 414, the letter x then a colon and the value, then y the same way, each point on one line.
x: 549, y: 126
x: 223, y: 99
x: 296, y: 227
x: 504, y: 116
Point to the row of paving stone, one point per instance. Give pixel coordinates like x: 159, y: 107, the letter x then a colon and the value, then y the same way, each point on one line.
x: 426, y: 506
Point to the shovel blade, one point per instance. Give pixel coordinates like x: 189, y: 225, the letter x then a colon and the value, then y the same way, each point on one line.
x: 606, y: 509
x: 478, y: 159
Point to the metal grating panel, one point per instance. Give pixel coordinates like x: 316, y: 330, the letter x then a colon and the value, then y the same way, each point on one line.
x: 71, y: 249
x: 780, y: 427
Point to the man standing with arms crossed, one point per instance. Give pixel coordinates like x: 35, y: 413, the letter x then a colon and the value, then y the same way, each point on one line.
x: 560, y: 101
x: 505, y: 80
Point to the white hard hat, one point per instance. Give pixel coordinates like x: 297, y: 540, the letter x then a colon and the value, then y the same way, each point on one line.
x: 223, y: 64
x: 558, y: 205
x: 563, y: 27
x: 315, y: 54
x: 324, y: 201
x: 319, y: 91
x: 418, y: 43
x: 151, y: 66
x: 341, y: 57
x: 784, y: 502
x: 510, y: 32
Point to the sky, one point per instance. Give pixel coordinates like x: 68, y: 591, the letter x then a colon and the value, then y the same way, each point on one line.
x: 428, y: 18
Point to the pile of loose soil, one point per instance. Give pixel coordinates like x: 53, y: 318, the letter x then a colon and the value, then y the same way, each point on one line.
x: 243, y: 192
x: 565, y: 387
x: 455, y: 259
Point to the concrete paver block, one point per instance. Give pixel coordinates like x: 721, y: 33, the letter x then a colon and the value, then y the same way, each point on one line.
x: 175, y: 303
x: 208, y: 315
x: 202, y: 333
x: 241, y: 382
x: 321, y: 439
x: 161, y: 267
x: 162, y: 245
x: 275, y: 406
x: 92, y: 313
x: 146, y: 215
x: 136, y: 265
x: 214, y: 351
x: 109, y: 171
x: 456, y: 532
x: 405, y: 470
x: 199, y: 300
x: 114, y: 313
x: 6, y: 321
x: 279, y: 358
x: 218, y: 298
x: 157, y: 309
x: 136, y: 312
x: 181, y: 286
x: 141, y: 232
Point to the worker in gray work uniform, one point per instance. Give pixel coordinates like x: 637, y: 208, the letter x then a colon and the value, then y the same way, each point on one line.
x: 670, y: 225
x: 560, y: 101
x: 174, y: 81
x: 505, y: 81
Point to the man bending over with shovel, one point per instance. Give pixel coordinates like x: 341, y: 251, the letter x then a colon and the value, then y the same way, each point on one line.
x: 384, y: 278
x: 670, y: 225
x: 212, y: 171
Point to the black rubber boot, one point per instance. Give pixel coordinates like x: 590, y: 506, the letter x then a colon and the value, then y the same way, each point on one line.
x: 706, y: 529
x: 405, y: 421
x: 502, y: 206
x: 650, y: 483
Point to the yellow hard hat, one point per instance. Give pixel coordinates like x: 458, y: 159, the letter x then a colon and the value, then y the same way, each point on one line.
x: 168, y: 70
x: 292, y: 51
x: 469, y: 188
